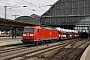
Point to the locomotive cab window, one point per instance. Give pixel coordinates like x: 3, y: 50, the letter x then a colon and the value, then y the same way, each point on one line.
x: 29, y: 29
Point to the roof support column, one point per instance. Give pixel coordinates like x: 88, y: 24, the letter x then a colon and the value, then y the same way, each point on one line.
x: 13, y: 32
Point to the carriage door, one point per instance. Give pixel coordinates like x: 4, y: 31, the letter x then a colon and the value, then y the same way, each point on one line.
x: 38, y: 34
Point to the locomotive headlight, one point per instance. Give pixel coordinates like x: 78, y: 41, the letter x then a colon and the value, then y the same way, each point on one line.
x: 24, y: 34
x: 31, y: 34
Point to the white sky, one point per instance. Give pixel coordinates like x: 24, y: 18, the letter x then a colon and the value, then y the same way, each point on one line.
x: 38, y: 5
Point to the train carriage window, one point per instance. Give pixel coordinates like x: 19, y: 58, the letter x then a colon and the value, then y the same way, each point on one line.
x: 29, y: 29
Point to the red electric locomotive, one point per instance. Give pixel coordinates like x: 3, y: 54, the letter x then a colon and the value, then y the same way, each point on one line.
x: 36, y: 34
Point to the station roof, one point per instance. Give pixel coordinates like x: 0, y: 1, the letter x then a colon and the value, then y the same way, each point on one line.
x: 13, y: 23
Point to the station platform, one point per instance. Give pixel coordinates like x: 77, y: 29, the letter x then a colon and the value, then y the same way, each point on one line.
x: 86, y: 54
x: 9, y: 40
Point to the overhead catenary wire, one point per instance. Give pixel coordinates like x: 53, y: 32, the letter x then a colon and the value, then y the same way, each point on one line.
x: 30, y: 4
x: 18, y: 11
x: 33, y: 5
x: 14, y: 9
x: 2, y: 13
x: 19, y: 6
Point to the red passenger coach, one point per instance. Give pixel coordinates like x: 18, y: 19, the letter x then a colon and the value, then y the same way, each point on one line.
x: 36, y: 34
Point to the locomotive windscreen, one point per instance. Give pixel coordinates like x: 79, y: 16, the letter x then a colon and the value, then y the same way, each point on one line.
x: 29, y: 29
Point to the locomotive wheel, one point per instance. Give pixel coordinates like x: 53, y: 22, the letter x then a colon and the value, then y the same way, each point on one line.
x: 36, y: 43
x: 42, y: 42
x: 52, y: 41
x: 24, y: 42
x: 57, y: 40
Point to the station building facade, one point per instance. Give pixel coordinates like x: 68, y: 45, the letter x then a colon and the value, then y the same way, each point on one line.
x: 73, y: 14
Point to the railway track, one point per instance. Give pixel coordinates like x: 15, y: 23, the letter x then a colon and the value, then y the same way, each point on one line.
x: 25, y: 53
x: 72, y: 53
x: 15, y: 47
x: 5, y: 46
x: 13, y: 54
